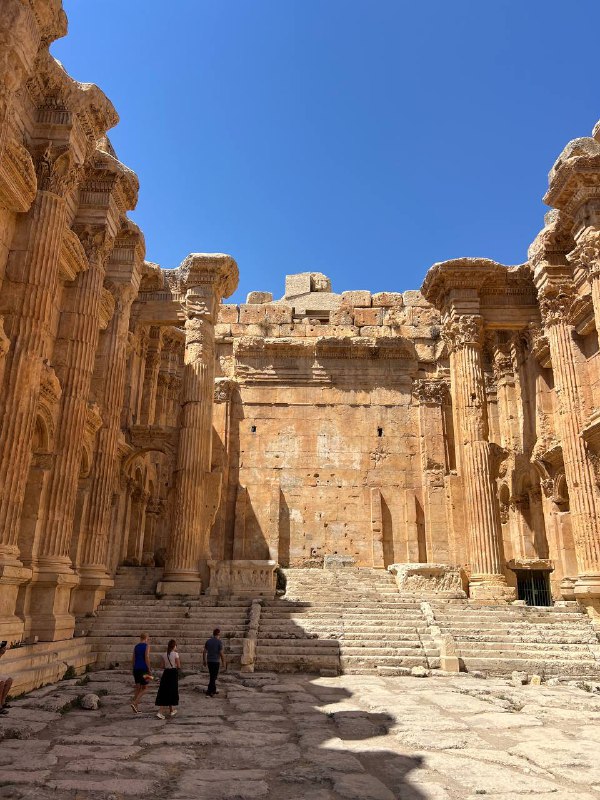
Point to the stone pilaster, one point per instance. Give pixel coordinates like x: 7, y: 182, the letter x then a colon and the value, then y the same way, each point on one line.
x: 78, y: 340
x: 464, y: 336
x: 431, y: 394
x: 205, y: 279
x: 555, y: 303
x: 35, y: 269
x: 586, y: 256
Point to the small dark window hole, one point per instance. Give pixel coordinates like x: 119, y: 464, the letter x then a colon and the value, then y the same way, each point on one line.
x: 253, y: 429
x: 379, y: 431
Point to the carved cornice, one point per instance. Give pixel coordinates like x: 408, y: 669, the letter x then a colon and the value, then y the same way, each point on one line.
x: 18, y: 183
x: 431, y: 392
x: 216, y: 270
x: 107, y: 308
x: 73, y: 259
x: 462, y: 331
x: 93, y: 420
x: 50, y: 388
x: 460, y: 274
x: 538, y: 344
x: 575, y: 177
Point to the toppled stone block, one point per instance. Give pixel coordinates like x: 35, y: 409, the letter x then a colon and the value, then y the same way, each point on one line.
x: 91, y: 702
x: 553, y: 682
x: 387, y: 300
x: 536, y: 680
x: 519, y: 678
x: 420, y: 672
x: 259, y: 297
x: 482, y: 676
x: 359, y: 298
x: 443, y: 580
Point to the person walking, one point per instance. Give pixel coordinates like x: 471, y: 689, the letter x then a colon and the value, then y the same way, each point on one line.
x: 213, y: 657
x: 168, y: 688
x: 140, y: 663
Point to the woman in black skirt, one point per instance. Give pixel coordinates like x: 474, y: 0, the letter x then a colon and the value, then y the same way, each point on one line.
x: 168, y: 689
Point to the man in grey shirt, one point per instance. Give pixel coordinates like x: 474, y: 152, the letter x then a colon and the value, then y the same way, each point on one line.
x: 212, y: 657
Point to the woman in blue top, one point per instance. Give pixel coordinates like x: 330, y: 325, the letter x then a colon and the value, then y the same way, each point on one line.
x: 140, y: 663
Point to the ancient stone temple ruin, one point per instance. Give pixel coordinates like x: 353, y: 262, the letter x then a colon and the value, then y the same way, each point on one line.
x: 437, y: 445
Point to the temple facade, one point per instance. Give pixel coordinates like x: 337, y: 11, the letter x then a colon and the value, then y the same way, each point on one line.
x: 144, y: 421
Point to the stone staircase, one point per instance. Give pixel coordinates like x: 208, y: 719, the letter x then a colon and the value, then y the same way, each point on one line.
x: 548, y: 641
x: 34, y: 665
x: 348, y: 620
x: 132, y: 607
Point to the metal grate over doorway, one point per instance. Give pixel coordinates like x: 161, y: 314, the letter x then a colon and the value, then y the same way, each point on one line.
x: 533, y: 586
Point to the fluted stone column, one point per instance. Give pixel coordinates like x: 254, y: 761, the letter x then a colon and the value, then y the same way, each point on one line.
x: 464, y: 335
x: 35, y: 267
x: 205, y: 279
x: 151, y: 370
x: 555, y: 304
x: 53, y: 579
x: 92, y: 567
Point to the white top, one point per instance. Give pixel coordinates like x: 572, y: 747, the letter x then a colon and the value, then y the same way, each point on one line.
x: 170, y: 659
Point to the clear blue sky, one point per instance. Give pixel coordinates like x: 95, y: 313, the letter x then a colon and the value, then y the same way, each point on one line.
x: 365, y: 139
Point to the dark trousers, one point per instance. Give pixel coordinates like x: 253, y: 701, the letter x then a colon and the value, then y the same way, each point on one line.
x: 213, y: 671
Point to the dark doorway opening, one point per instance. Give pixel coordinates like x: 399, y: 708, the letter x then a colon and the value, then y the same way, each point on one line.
x: 533, y: 586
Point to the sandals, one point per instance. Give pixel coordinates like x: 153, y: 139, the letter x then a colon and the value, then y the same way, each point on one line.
x: 134, y: 708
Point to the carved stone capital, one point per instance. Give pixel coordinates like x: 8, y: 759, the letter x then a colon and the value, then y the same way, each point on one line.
x: 462, y: 331
x: 96, y: 242
x: 431, y: 392
x: 556, y: 301
x: 586, y: 253
x: 223, y: 390
x: 56, y: 170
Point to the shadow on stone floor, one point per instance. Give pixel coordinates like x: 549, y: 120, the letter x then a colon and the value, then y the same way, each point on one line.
x: 292, y: 736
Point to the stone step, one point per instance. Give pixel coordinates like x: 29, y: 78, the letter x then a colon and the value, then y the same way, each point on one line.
x: 524, y: 651
x: 32, y: 666
x: 389, y: 660
x: 296, y: 663
x: 499, y: 666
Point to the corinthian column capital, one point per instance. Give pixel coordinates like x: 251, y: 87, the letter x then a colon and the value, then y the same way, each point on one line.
x: 96, y: 241
x: 463, y: 330
x: 586, y: 253
x: 56, y: 169
x: 555, y: 302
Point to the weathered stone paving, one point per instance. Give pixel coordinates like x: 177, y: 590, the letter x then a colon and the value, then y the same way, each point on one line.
x: 297, y: 737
